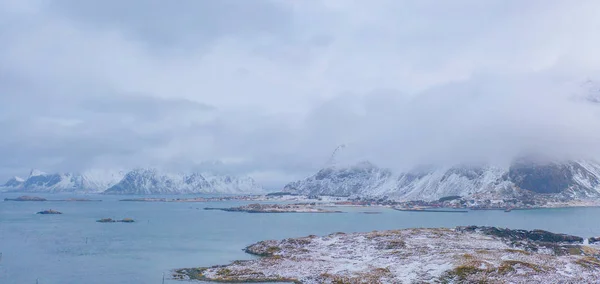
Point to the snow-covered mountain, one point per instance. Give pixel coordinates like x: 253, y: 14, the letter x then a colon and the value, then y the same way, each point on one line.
x: 152, y: 181
x: 14, y: 182
x: 90, y: 181
x: 139, y: 181
x: 572, y: 179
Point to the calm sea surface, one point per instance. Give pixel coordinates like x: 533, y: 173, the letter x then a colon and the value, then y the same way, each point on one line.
x: 74, y: 248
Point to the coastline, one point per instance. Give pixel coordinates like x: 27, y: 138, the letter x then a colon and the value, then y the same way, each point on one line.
x: 460, y: 255
x: 277, y: 208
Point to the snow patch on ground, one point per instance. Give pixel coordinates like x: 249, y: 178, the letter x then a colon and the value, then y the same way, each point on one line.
x: 405, y: 256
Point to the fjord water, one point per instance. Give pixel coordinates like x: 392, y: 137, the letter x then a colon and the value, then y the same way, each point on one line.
x: 74, y: 248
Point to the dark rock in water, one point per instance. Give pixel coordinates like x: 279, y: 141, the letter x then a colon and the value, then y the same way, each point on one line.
x: 594, y: 240
x: 49, y: 211
x: 110, y: 220
x: 80, y: 200
x: 518, y: 235
x: 26, y: 198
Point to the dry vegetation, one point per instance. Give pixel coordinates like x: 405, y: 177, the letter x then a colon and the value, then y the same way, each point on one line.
x: 413, y: 256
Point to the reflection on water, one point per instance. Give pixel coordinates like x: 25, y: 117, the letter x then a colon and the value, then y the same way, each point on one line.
x: 73, y: 248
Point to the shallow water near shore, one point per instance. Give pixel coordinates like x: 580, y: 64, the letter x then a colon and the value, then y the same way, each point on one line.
x: 74, y: 248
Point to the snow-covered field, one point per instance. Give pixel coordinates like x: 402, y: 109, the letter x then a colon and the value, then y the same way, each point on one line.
x: 414, y: 256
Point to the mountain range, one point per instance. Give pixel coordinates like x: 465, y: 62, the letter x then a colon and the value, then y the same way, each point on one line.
x: 137, y: 181
x: 523, y: 178
x: 151, y: 181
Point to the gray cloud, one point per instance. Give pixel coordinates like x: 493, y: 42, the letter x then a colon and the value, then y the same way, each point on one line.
x: 187, y: 23
x: 270, y: 88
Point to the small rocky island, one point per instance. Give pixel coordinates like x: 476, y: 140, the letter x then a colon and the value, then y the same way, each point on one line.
x: 49, y: 211
x: 26, y: 198
x: 36, y: 198
x: 277, y: 208
x: 110, y: 220
x: 79, y: 200
x: 461, y: 255
x: 198, y: 199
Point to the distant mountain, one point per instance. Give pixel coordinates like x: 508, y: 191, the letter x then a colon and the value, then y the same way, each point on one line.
x: 572, y: 179
x: 14, y: 182
x: 89, y: 181
x: 139, y: 181
x: 152, y: 181
x: 361, y: 179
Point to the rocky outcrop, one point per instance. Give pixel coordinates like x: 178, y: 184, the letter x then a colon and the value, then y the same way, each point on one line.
x: 26, y: 198
x: 49, y: 212
x: 110, y: 220
x: 462, y: 255
x: 523, y: 235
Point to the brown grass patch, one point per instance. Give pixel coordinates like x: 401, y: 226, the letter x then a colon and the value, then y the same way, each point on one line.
x: 589, y: 262
x: 519, y: 251
x: 508, y: 266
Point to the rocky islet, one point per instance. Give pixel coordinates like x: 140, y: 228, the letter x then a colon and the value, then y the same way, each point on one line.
x: 49, y: 212
x: 110, y: 220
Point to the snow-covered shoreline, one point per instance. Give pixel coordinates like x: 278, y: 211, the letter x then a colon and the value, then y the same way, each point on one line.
x: 463, y: 255
x: 277, y: 208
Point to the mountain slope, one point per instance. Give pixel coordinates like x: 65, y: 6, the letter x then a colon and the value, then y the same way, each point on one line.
x: 152, y: 181
x: 38, y: 181
x: 573, y: 179
x: 363, y: 178
x: 14, y: 182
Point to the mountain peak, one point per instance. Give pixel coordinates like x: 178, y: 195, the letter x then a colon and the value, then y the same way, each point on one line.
x: 36, y: 172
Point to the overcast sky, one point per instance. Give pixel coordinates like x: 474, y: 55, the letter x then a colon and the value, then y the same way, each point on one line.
x: 270, y: 88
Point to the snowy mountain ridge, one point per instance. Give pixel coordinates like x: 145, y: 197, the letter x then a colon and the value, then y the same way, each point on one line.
x: 153, y: 181
x: 138, y: 181
x: 572, y: 179
x: 92, y: 181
